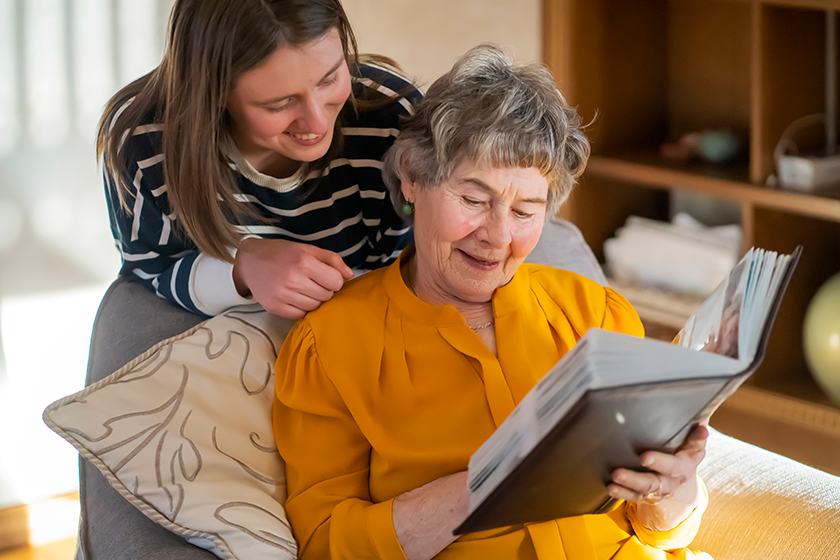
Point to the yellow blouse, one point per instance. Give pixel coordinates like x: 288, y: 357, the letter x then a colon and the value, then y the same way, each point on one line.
x: 378, y: 393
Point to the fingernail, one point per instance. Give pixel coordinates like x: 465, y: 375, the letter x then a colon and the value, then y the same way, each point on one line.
x: 647, y: 461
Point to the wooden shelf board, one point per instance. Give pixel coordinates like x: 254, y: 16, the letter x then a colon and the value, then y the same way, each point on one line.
x: 795, y: 428
x: 794, y: 387
x: 792, y: 407
x: 815, y: 4
x: 729, y: 182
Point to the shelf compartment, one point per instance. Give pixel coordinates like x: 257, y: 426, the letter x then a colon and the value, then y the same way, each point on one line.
x: 645, y: 72
x: 599, y: 206
x: 615, y: 57
x: 792, y: 77
x: 780, y: 231
x: 708, y: 69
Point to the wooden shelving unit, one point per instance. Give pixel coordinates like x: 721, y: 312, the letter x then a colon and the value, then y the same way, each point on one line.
x: 645, y: 72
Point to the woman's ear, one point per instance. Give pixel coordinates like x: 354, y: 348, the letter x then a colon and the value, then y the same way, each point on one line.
x: 409, y: 190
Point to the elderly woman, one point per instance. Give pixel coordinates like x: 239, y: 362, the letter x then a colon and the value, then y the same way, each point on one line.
x: 385, y: 392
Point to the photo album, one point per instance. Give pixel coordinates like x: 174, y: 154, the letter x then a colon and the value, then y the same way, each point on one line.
x: 614, y: 396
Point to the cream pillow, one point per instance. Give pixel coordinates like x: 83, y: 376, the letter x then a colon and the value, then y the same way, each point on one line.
x: 184, y: 433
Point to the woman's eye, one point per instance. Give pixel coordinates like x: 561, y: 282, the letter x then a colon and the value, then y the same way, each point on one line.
x: 521, y: 214
x: 330, y: 81
x: 471, y: 202
x: 278, y: 108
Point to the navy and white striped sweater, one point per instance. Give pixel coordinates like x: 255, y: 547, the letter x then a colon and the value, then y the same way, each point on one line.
x: 349, y: 210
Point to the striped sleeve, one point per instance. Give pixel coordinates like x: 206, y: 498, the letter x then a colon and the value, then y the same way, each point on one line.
x: 153, y: 252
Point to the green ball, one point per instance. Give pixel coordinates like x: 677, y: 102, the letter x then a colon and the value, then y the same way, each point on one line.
x: 821, y: 337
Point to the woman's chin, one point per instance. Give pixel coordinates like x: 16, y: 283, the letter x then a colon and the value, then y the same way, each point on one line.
x: 306, y: 155
x: 305, y: 151
x: 477, y: 293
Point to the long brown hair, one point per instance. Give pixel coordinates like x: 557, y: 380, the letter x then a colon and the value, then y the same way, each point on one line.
x: 210, y: 44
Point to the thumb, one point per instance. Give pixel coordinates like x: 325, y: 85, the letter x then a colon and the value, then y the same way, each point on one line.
x: 335, y: 261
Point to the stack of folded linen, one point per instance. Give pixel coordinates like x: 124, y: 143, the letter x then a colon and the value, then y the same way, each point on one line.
x: 664, y: 311
x: 682, y: 255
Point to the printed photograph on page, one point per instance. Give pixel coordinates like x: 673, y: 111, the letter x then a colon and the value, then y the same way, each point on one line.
x: 714, y: 326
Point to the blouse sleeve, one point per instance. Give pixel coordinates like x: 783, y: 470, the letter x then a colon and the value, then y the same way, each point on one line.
x: 619, y: 315
x: 678, y: 537
x: 327, y: 461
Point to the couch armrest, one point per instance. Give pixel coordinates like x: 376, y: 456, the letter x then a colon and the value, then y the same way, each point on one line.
x: 130, y: 320
x: 766, y: 506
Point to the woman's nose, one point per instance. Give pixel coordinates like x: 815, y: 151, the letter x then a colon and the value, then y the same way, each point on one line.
x: 496, y: 229
x: 314, y: 116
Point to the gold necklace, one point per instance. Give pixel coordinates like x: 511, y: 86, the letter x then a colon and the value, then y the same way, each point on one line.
x: 484, y: 326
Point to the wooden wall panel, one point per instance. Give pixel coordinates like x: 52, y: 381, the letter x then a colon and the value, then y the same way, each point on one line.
x: 793, y: 70
x: 709, y: 51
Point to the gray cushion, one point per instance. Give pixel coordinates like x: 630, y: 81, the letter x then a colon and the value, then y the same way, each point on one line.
x: 130, y: 320
x: 562, y: 245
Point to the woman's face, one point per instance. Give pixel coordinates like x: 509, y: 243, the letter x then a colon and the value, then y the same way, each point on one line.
x: 473, y: 231
x: 284, y: 110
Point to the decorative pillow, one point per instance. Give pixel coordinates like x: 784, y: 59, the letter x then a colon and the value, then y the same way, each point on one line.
x: 184, y: 433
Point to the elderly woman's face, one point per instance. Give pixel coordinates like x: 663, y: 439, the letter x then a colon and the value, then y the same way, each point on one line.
x: 473, y: 231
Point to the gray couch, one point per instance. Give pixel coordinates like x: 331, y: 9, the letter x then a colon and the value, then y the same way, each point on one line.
x: 762, y: 505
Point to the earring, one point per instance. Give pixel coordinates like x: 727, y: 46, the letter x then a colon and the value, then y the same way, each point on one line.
x: 408, y: 208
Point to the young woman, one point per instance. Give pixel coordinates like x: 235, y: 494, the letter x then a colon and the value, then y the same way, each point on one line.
x: 247, y: 166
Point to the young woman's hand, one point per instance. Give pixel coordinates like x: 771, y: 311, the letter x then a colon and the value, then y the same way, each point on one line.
x: 669, y: 494
x: 288, y: 278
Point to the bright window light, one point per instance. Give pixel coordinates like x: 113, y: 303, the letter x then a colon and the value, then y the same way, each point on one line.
x: 53, y: 520
x: 45, y: 341
x: 9, y: 125
x: 93, y: 61
x: 46, y: 72
x: 140, y: 39
x: 11, y: 224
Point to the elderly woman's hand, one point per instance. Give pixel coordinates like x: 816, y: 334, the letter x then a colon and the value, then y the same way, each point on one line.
x: 669, y: 494
x: 424, y: 518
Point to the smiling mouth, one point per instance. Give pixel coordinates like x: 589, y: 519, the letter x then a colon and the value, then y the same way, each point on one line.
x: 306, y: 137
x: 482, y: 262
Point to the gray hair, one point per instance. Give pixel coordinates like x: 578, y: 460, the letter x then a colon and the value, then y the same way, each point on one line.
x: 494, y: 113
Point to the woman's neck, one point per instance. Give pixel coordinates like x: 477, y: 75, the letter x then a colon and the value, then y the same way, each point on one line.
x: 273, y: 164
x: 266, y: 161
x: 476, y: 314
